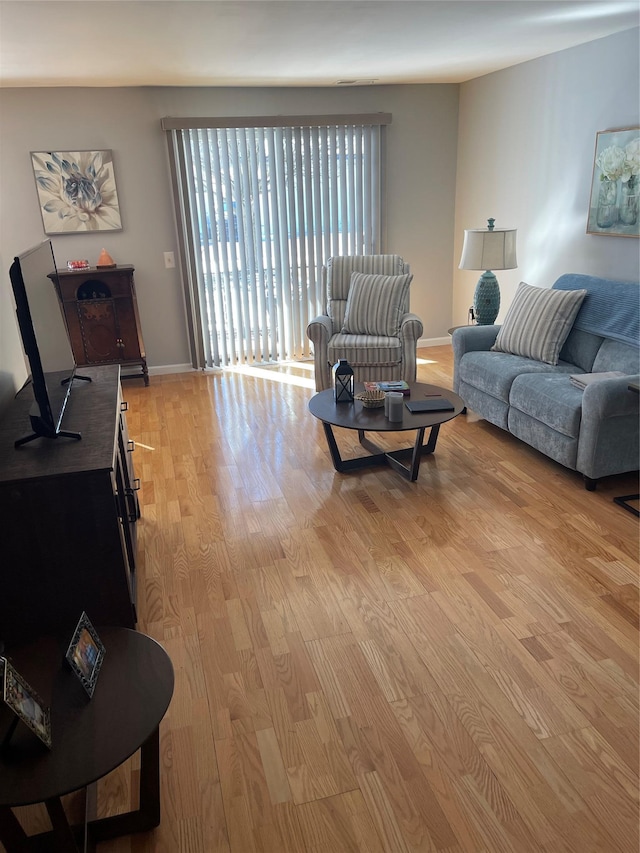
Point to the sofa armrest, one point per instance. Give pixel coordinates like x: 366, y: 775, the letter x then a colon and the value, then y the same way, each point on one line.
x: 319, y: 331
x: 411, y: 329
x: 470, y: 339
x: 610, y: 398
x: 609, y: 435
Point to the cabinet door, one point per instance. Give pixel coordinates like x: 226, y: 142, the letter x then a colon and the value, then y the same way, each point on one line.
x: 127, y: 329
x: 100, y: 336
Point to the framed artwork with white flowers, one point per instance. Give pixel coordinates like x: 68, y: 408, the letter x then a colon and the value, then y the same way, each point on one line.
x: 77, y: 191
x: 613, y: 206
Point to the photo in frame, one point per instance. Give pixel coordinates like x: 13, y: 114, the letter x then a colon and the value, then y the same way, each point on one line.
x: 85, y: 654
x: 25, y: 703
x: 613, y: 205
x: 76, y: 191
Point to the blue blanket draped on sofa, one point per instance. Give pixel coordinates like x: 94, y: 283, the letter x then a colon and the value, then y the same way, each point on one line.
x: 611, y: 309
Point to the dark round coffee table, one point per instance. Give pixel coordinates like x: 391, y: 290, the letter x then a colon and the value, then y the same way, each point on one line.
x: 355, y: 416
x: 90, y: 737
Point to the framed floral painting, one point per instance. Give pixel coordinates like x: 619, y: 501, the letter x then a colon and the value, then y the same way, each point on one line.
x: 613, y: 207
x: 77, y: 191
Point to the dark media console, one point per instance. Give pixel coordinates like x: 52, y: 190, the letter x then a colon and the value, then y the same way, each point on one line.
x: 69, y: 511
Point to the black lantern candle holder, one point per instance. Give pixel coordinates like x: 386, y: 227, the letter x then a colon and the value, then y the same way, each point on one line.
x: 343, y: 384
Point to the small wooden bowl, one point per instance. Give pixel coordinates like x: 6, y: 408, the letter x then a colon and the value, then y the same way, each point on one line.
x: 371, y: 399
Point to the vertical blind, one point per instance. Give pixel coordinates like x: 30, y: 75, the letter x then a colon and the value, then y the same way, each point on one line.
x: 260, y: 208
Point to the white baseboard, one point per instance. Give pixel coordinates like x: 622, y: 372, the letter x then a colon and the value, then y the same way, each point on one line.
x: 170, y: 368
x: 188, y: 368
x: 434, y: 342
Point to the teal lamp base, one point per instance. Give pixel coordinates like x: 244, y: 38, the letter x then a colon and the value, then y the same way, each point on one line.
x: 486, y: 299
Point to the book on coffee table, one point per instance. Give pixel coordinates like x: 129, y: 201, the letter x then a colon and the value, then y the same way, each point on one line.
x: 388, y: 385
x: 433, y: 404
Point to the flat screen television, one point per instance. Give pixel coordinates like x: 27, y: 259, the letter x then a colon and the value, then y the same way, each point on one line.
x: 45, y: 340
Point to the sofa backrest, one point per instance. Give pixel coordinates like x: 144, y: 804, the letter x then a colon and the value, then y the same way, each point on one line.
x: 613, y: 355
x: 606, y: 331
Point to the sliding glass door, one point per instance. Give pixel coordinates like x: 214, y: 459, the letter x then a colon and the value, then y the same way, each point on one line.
x: 260, y: 209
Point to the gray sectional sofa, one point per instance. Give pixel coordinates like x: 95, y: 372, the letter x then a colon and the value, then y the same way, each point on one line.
x: 595, y: 431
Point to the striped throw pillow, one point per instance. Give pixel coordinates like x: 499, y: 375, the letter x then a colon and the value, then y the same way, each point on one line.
x: 538, y: 322
x: 375, y: 304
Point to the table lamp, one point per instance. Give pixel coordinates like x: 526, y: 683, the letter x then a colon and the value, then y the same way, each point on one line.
x: 488, y: 249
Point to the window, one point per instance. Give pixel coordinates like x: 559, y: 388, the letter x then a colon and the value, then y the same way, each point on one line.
x: 261, y: 207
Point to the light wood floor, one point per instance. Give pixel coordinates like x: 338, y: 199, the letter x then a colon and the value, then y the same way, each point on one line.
x: 366, y: 664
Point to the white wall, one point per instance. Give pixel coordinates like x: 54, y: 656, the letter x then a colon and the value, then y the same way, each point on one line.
x: 526, y: 142
x: 421, y: 162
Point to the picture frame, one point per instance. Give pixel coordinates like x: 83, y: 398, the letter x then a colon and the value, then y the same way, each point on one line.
x: 76, y: 191
x: 85, y: 654
x: 614, y: 209
x: 26, y: 704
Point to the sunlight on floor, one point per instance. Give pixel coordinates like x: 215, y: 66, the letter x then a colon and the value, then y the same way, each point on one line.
x: 298, y: 373
x: 279, y: 372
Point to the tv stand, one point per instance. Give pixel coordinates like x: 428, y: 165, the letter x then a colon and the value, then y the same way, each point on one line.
x: 76, y: 376
x: 40, y: 430
x: 69, y: 514
x: 33, y: 435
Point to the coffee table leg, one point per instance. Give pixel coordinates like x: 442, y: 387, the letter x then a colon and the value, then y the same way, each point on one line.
x: 430, y: 446
x: 378, y: 456
x: 12, y: 834
x: 396, y: 458
x: 63, y: 837
x: 418, y: 450
x: 333, y: 447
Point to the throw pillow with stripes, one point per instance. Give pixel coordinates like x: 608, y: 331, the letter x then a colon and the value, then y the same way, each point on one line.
x: 538, y: 322
x: 375, y: 304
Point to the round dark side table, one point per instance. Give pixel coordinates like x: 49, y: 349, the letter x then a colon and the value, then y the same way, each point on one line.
x: 90, y: 738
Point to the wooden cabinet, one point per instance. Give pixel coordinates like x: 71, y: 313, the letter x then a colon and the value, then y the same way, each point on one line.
x: 101, y: 310
x: 69, y: 511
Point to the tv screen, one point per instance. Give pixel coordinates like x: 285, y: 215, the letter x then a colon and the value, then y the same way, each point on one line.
x: 44, y: 338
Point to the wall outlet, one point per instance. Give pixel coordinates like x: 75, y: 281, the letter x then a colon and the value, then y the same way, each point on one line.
x: 169, y: 260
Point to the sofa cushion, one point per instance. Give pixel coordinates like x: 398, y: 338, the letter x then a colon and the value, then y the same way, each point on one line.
x: 338, y: 279
x: 549, y: 398
x: 538, y: 322
x: 494, y: 372
x: 365, y: 349
x: 375, y: 304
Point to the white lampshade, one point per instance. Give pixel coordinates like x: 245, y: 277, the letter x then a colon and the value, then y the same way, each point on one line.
x: 485, y: 249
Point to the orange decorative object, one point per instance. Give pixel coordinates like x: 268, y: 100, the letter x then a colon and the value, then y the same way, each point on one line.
x: 105, y: 260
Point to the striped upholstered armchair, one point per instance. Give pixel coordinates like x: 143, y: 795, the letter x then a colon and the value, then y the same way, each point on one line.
x: 367, y: 320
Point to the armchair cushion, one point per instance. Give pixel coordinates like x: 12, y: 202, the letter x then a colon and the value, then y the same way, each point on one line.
x: 375, y: 304
x: 361, y: 350
x: 538, y: 322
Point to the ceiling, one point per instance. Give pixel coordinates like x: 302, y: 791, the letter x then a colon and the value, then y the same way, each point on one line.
x: 288, y: 42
